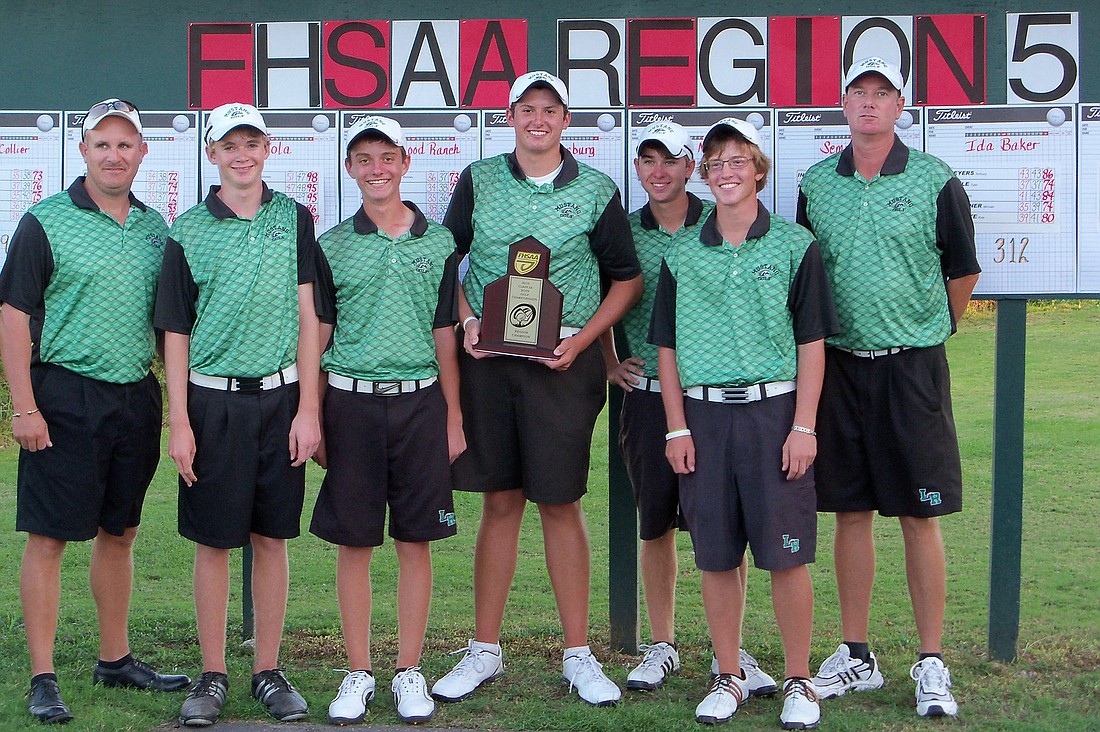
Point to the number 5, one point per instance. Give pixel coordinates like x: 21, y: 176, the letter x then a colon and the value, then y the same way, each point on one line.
x: 1041, y: 73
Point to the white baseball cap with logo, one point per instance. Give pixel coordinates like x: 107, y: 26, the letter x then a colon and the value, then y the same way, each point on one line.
x: 543, y: 79
x: 110, y: 108
x: 673, y: 136
x: 874, y: 65
x: 228, y: 117
x: 388, y: 128
x: 747, y: 130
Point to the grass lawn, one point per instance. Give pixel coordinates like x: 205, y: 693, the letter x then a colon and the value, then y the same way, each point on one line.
x: 1054, y: 684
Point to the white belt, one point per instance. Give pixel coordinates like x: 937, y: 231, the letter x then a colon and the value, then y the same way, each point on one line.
x: 873, y: 354
x: 379, y: 388
x: 740, y: 394
x: 289, y: 375
x: 568, y: 331
x: 647, y: 384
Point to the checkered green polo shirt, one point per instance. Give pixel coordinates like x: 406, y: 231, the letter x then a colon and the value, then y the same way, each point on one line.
x: 245, y: 276
x: 89, y: 282
x: 888, y: 245
x: 651, y: 243
x: 735, y: 315
x: 390, y: 294
x: 579, y: 217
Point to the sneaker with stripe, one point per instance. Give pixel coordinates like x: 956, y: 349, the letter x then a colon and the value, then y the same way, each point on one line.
x: 934, y: 698
x: 841, y: 673
x: 660, y: 660
x: 726, y: 694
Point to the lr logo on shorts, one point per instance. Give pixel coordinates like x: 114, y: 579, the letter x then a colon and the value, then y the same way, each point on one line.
x: 447, y: 517
x: 789, y: 543
x: 932, y: 498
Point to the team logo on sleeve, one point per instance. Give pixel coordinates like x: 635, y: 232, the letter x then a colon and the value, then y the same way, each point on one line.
x: 899, y: 203
x: 764, y: 272
x: 422, y: 264
x: 526, y: 262
x: 568, y: 210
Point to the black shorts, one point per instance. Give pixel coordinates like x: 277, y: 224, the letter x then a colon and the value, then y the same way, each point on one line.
x: 886, y: 435
x: 385, y: 450
x: 244, y: 480
x: 528, y: 426
x: 106, y: 445
x: 642, y: 427
x: 738, y: 494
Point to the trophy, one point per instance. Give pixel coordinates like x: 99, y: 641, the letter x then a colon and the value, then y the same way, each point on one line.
x: 521, y: 313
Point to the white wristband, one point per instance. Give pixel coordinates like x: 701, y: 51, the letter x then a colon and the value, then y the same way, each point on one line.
x: 677, y: 433
x: 466, y: 321
x: 803, y: 430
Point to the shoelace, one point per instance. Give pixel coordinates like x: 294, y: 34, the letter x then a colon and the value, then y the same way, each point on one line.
x: 274, y: 682
x: 587, y: 666
x: 652, y: 655
x: 800, y: 687
x: 353, y: 683
x: 411, y: 679
x: 747, y: 661
x: 724, y: 682
x: 834, y: 664
x: 470, y: 663
x: 933, y: 677
x: 141, y: 665
x: 207, y: 684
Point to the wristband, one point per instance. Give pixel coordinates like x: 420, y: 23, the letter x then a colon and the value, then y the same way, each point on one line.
x: 466, y: 321
x: 803, y: 430
x: 677, y: 433
x: 28, y: 412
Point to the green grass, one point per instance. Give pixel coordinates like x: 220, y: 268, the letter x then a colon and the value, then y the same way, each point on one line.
x: 1053, y: 685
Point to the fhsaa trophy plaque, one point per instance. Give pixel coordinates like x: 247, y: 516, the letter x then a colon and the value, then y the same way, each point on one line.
x: 521, y: 314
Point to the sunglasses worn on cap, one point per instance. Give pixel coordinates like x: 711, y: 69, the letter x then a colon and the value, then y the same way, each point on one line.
x: 119, y: 105
x: 101, y: 110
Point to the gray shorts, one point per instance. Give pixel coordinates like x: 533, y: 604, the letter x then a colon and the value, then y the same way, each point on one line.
x: 738, y: 496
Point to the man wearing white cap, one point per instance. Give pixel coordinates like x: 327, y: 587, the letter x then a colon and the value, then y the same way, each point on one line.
x: 895, y: 229
x: 529, y: 423
x: 242, y: 355
x: 664, y: 164
x: 740, y: 317
x: 77, y: 340
x: 392, y: 423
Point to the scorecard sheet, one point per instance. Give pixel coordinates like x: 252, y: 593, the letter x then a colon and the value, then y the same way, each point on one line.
x: 30, y: 166
x: 1088, y: 198
x: 1019, y: 167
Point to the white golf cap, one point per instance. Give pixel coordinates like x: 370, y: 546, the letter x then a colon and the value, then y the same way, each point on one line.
x: 874, y: 64
x: 673, y: 136
x: 543, y: 79
x: 746, y: 129
x: 228, y: 117
x: 110, y: 108
x: 388, y: 128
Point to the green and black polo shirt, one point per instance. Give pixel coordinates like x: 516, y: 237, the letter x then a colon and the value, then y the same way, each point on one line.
x: 388, y: 295
x: 232, y: 284
x: 579, y: 217
x: 735, y: 315
x: 889, y: 245
x: 88, y: 283
x: 651, y: 243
